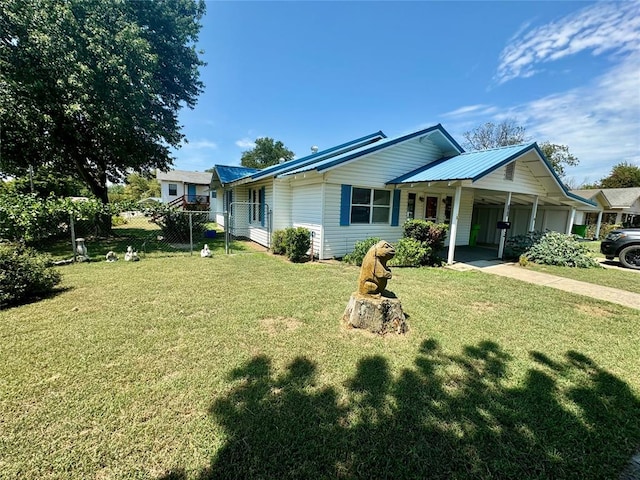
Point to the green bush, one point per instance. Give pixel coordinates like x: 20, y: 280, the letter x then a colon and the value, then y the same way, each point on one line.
x: 433, y: 234
x: 278, y: 242
x: 24, y: 274
x: 297, y: 243
x: 360, y: 249
x: 292, y: 242
x: 607, y: 228
x: 518, y: 245
x: 411, y: 253
x: 559, y: 249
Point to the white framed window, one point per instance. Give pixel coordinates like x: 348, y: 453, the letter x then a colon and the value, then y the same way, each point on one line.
x: 369, y: 205
x: 255, y: 208
x: 173, y: 189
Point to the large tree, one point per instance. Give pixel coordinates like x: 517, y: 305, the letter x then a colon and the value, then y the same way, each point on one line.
x: 623, y: 175
x: 266, y: 152
x: 508, y: 132
x: 559, y: 157
x: 492, y: 135
x: 93, y: 87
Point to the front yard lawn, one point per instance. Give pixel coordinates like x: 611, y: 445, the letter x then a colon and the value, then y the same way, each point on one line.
x: 628, y: 280
x: 237, y: 367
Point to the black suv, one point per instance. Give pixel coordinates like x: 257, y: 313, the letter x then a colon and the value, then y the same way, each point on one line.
x: 624, y: 244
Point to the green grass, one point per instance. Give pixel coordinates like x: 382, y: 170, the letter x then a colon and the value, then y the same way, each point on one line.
x: 628, y: 280
x: 237, y: 367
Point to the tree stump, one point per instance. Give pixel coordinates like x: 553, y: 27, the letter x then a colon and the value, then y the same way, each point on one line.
x: 379, y: 315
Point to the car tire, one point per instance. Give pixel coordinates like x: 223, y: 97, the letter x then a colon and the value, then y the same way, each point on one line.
x: 630, y: 257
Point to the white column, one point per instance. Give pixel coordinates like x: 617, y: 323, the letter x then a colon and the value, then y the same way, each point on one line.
x: 572, y: 217
x: 453, y: 228
x: 599, y: 224
x: 619, y: 218
x: 505, y: 218
x: 534, y: 213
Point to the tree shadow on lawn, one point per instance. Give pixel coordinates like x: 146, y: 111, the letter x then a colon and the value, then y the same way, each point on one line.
x: 449, y: 416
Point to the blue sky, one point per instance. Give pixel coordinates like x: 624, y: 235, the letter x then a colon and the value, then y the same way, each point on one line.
x: 323, y: 73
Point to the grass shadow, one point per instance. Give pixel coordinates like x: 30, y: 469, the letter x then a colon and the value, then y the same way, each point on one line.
x: 448, y: 416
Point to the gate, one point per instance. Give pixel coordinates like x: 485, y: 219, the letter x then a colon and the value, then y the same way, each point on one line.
x: 247, y: 221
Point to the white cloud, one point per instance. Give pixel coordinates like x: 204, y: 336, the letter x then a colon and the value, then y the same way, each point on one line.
x: 245, y: 143
x: 599, y: 121
x: 480, y: 110
x: 603, y: 27
x: 200, y: 145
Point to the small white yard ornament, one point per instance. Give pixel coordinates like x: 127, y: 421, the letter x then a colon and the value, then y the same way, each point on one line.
x: 205, y: 252
x: 131, y: 255
x: 81, y: 250
x: 111, y: 256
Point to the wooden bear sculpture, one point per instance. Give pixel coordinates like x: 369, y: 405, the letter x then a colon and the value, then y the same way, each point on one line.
x: 374, y: 273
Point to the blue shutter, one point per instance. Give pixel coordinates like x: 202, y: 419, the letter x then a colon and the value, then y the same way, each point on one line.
x: 262, y: 206
x: 395, y: 213
x: 345, y: 205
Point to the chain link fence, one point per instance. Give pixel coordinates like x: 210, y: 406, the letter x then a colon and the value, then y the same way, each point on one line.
x: 169, y: 233
x: 247, y: 221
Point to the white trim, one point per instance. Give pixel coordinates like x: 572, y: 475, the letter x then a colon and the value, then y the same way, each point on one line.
x: 505, y: 218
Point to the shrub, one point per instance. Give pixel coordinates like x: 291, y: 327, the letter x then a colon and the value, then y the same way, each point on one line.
x: 559, y: 249
x: 292, y: 242
x: 360, y: 249
x: 278, y: 242
x: 411, y: 253
x: 23, y: 274
x: 433, y: 234
x: 518, y: 245
x: 607, y: 228
x: 298, y: 242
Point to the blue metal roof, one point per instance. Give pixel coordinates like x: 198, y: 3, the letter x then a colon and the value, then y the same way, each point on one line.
x: 285, y: 167
x: 228, y: 173
x: 333, y: 161
x: 466, y: 166
x: 475, y: 165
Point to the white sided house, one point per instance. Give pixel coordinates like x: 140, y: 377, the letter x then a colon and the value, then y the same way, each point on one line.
x: 368, y: 187
x: 186, y: 190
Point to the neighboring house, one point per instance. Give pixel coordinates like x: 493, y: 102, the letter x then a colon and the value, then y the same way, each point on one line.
x: 618, y: 206
x: 187, y: 190
x: 368, y: 187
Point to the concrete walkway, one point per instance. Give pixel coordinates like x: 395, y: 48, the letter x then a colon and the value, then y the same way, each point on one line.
x: 513, y: 270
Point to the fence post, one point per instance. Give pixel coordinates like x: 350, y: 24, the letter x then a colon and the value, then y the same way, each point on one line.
x: 73, y: 236
x: 191, y: 233
x: 226, y: 232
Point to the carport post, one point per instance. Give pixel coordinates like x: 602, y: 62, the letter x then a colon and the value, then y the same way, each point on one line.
x: 572, y: 218
x: 503, y: 232
x: 534, y: 214
x: 453, y: 228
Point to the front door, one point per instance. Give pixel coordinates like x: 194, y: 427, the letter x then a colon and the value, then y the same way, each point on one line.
x: 191, y: 193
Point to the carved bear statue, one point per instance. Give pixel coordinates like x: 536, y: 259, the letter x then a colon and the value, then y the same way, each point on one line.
x: 374, y: 273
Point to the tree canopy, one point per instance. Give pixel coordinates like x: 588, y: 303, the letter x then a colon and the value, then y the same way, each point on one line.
x: 559, y: 157
x: 623, y: 175
x: 492, y: 135
x: 508, y: 132
x: 93, y: 87
x: 267, y: 152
